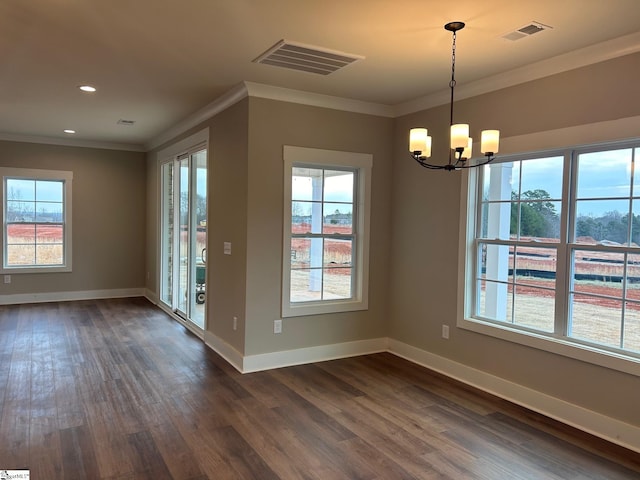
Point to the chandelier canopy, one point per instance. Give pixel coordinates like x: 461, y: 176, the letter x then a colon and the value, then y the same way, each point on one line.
x: 460, y: 141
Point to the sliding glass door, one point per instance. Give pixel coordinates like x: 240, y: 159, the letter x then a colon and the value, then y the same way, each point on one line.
x: 184, y: 237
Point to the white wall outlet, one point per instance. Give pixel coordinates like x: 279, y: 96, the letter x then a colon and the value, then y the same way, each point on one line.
x: 445, y: 332
x: 227, y: 248
x: 235, y: 323
x: 7, y: 279
x: 277, y: 326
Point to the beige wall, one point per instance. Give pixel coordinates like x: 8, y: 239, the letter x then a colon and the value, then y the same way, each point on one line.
x: 426, y: 232
x: 227, y: 206
x: 108, y: 217
x: 246, y: 208
x: 273, y: 124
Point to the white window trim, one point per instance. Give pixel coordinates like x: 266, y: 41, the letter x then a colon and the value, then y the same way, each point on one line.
x: 36, y: 174
x: 575, y: 350
x: 323, y: 159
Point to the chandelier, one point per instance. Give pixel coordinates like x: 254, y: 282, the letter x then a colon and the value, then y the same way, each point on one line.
x: 460, y: 152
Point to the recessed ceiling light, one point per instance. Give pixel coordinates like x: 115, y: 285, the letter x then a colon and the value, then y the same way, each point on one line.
x: 87, y: 88
x: 69, y: 131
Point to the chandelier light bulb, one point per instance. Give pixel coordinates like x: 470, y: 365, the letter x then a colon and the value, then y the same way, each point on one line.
x: 466, y: 153
x: 459, y: 135
x: 490, y: 141
x: 420, y: 142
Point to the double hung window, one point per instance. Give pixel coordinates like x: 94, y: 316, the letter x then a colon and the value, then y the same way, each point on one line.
x: 36, y: 223
x: 556, y: 248
x: 326, y: 231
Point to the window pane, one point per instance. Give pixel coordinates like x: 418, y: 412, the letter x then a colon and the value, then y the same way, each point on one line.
x: 636, y: 173
x: 602, y: 221
x: 338, y: 218
x: 539, y: 219
x: 596, y: 319
x: 300, y: 252
x: 635, y: 222
x: 306, y: 252
x: 21, y: 255
x: 49, y: 254
x: 633, y: 277
x: 632, y: 327
x: 300, y: 217
x: 21, y: 233
x: 543, y: 176
x: 49, y: 191
x: 336, y: 283
x: 598, y: 273
x: 18, y: 189
x: 338, y: 186
x: 536, y: 266
x: 495, y: 301
x: 306, y: 217
x: 497, y: 220
x: 48, y: 212
x: 306, y: 184
x: 604, y: 174
x: 305, y: 285
x: 534, y: 308
x: 20, y: 211
x: 497, y: 262
x: 49, y: 233
x: 522, y: 199
x: 337, y: 252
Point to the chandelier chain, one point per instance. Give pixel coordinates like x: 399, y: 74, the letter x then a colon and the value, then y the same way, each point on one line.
x: 452, y: 83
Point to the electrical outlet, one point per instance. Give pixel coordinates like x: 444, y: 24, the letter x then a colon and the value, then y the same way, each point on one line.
x: 445, y: 332
x: 277, y: 326
x: 7, y: 279
x: 235, y: 323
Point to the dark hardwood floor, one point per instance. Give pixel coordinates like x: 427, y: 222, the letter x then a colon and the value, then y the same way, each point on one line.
x: 115, y: 389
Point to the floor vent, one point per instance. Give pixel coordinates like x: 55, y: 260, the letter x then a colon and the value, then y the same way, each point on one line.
x: 526, y: 31
x: 306, y: 58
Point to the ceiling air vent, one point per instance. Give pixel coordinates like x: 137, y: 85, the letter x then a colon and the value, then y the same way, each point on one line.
x: 306, y: 58
x: 126, y: 122
x: 526, y: 31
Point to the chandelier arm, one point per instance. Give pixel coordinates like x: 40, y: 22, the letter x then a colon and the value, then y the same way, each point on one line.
x: 478, y: 164
x: 458, y: 165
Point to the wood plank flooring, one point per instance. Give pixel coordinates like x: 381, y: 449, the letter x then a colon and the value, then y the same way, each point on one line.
x: 115, y: 389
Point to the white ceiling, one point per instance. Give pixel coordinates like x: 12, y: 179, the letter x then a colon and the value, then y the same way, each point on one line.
x: 158, y: 61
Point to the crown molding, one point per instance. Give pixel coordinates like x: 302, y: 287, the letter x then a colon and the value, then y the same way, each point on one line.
x: 593, y: 54
x: 69, y: 142
x: 220, y: 104
x: 318, y: 100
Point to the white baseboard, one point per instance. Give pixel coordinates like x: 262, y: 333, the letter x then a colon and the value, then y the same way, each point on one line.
x: 21, y: 298
x: 226, y: 351
x: 602, y: 426
x: 286, y: 358
x: 151, y: 296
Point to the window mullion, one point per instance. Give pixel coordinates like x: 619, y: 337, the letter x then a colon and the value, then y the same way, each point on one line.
x: 564, y: 269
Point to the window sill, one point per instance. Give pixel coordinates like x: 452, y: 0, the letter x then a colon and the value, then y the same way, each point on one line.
x: 319, y: 308
x: 558, y: 346
x: 22, y: 270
